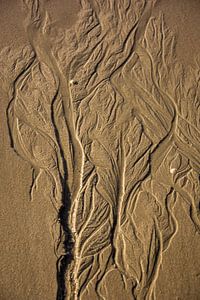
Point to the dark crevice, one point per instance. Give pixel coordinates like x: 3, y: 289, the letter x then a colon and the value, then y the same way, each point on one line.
x: 65, y: 260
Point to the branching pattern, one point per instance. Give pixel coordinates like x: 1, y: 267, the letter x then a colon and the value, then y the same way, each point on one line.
x: 110, y: 118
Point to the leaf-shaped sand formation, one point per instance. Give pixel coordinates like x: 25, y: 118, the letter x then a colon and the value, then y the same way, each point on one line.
x: 108, y: 114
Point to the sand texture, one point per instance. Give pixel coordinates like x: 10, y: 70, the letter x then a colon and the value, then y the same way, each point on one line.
x: 100, y: 150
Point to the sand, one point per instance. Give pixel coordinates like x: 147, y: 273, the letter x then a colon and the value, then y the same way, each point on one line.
x: 100, y: 150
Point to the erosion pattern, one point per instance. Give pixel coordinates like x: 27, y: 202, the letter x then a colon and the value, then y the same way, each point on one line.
x: 109, y: 119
